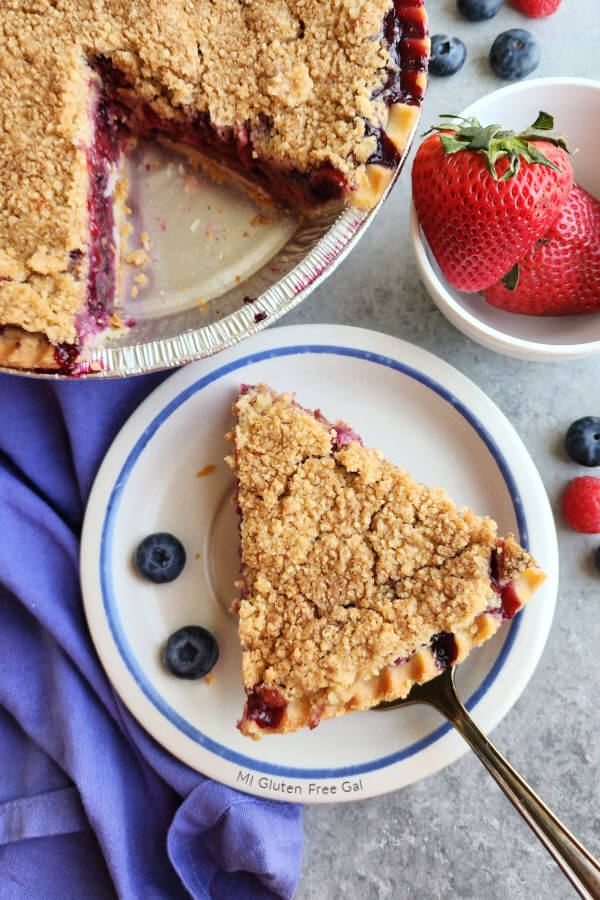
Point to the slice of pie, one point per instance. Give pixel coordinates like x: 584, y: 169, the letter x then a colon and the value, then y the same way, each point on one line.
x: 357, y: 582
x: 312, y: 102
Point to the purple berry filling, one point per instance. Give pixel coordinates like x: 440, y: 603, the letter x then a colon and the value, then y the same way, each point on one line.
x: 102, y: 158
x: 65, y: 356
x: 404, y: 30
x: 510, y: 603
x: 345, y: 435
x: 232, y: 146
x: 265, y: 707
x: 445, y: 649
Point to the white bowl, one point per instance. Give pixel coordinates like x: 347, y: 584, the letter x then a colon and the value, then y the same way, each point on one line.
x: 575, y: 104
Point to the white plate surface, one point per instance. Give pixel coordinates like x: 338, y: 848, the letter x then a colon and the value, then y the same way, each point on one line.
x: 426, y: 417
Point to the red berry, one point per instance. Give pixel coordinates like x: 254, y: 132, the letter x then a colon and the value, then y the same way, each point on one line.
x: 561, y: 275
x: 581, y: 504
x: 536, y: 9
x: 479, y: 226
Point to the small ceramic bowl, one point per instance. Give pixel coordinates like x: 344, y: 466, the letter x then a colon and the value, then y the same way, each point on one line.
x: 575, y: 104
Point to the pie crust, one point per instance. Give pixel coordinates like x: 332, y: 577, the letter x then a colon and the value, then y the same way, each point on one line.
x: 20, y: 349
x: 357, y: 582
x: 312, y: 100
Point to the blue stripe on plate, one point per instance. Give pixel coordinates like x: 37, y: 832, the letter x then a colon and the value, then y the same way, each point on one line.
x: 108, y: 594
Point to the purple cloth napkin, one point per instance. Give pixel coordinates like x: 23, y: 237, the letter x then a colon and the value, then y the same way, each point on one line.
x: 90, y: 805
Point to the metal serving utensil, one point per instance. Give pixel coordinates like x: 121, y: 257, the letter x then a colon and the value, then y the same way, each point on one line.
x: 579, y: 866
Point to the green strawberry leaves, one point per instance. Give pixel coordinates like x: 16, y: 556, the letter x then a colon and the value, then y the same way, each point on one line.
x: 544, y: 121
x: 492, y: 142
x: 511, y: 279
x: 540, y: 129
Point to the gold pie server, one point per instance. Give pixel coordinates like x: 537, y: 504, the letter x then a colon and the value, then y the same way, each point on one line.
x: 579, y: 866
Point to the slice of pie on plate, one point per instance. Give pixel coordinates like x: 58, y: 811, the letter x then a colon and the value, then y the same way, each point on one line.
x: 311, y: 101
x: 357, y: 582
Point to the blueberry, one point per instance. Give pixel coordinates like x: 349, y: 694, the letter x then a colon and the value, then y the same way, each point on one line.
x: 447, y: 55
x: 191, y: 652
x: 477, y: 10
x: 514, y: 54
x: 582, y: 441
x: 160, y: 557
x: 597, y: 558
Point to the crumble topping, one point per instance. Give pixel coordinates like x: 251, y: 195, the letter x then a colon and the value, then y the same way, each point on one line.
x: 348, y: 563
x: 301, y: 74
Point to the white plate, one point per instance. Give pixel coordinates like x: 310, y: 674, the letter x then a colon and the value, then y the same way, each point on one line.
x: 425, y: 416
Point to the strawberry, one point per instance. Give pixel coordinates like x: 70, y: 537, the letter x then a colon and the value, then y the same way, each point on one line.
x: 536, y: 9
x: 560, y: 275
x: 484, y: 196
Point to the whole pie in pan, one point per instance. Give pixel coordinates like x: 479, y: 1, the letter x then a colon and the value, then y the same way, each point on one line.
x: 310, y: 101
x: 357, y: 582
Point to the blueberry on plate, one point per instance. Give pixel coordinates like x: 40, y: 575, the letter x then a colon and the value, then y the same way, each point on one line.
x: 597, y: 558
x: 191, y: 652
x: 514, y: 54
x: 582, y: 441
x: 478, y: 10
x: 160, y: 557
x: 447, y: 55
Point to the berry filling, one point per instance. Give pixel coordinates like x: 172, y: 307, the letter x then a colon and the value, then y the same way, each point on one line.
x: 510, y: 603
x: 505, y: 588
x: 266, y: 707
x: 65, y: 356
x: 233, y: 147
x: 102, y: 161
x: 404, y: 30
x: 343, y: 433
x: 385, y: 153
x: 445, y: 649
x: 444, y: 644
x: 316, y: 714
x: 103, y: 158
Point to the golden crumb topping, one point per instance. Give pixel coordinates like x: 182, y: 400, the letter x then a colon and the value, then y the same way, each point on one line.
x: 348, y: 563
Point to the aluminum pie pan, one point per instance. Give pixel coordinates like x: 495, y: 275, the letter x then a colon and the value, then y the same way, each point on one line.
x: 194, y: 328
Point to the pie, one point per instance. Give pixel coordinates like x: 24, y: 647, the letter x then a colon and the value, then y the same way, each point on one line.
x: 311, y: 101
x: 356, y: 582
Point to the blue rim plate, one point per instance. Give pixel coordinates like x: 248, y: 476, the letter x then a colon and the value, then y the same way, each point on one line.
x: 426, y: 417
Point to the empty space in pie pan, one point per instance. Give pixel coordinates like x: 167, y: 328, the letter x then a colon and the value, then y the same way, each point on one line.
x: 221, y: 264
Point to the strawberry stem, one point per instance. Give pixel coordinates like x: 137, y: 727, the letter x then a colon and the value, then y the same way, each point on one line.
x: 493, y: 142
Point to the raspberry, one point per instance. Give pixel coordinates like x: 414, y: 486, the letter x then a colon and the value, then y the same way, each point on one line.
x: 536, y: 9
x: 581, y: 504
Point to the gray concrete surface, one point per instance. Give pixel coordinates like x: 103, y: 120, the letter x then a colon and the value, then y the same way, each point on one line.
x: 454, y: 834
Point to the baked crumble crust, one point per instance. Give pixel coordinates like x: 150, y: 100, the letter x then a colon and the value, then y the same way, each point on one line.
x: 21, y: 350
x: 300, y: 74
x: 349, y: 565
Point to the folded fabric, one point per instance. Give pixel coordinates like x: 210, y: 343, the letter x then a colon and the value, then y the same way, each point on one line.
x: 90, y: 805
